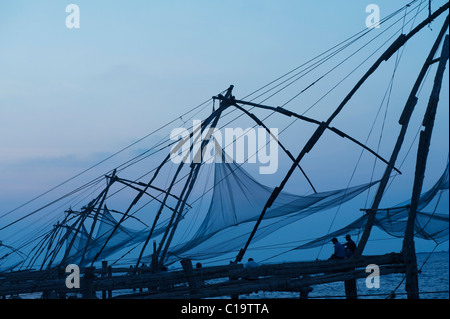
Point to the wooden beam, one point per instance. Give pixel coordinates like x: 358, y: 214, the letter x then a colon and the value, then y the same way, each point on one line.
x: 192, y: 278
x: 100, y: 205
x: 213, y: 116
x: 412, y: 282
x: 195, y: 168
x: 29, y: 282
x: 260, y: 123
x: 87, y: 284
x: 242, y: 286
x: 404, y: 121
x: 307, y: 119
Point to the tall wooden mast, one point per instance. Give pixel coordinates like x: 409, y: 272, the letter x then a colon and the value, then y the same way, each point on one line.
x: 403, y: 121
x: 412, y: 284
x: 194, y: 170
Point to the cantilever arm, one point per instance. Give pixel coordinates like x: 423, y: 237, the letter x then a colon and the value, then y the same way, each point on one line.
x: 145, y: 192
x: 310, y: 120
x: 259, y: 122
x: 128, y: 182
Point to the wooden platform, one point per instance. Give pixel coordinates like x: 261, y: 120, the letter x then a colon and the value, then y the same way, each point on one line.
x: 219, y: 281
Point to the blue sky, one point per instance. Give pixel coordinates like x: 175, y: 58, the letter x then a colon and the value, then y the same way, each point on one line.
x: 71, y: 97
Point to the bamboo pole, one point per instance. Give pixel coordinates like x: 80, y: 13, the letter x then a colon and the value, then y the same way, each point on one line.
x: 404, y: 121
x: 206, y: 122
x: 289, y: 113
x: 412, y: 283
x: 87, y: 283
x: 195, y: 168
x: 289, y: 154
x: 136, y: 199
x: 99, y: 207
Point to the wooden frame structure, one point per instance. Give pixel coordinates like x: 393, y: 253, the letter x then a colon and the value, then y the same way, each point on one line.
x: 234, y: 279
x: 190, y: 283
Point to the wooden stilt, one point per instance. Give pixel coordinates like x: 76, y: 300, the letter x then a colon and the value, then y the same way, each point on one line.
x: 87, y: 284
x: 412, y: 279
x: 104, y: 274
x: 62, y: 276
x: 192, y: 279
x: 109, y: 276
x: 195, y: 168
x: 154, y: 264
x: 304, y: 291
x: 350, y: 289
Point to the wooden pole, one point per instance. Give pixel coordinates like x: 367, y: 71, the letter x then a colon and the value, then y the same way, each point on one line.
x: 412, y: 283
x: 87, y: 285
x: 289, y: 154
x: 109, y: 276
x: 61, y: 275
x: 304, y: 292
x: 50, y: 248
x: 192, y: 279
x: 288, y: 113
x: 404, y: 121
x: 205, y: 123
x: 104, y: 274
x: 82, y: 218
x: 136, y: 199
x: 99, y: 207
x: 195, y: 167
x: 154, y: 264
x: 351, y: 291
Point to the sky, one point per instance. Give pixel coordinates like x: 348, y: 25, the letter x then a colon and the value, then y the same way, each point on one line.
x: 70, y: 98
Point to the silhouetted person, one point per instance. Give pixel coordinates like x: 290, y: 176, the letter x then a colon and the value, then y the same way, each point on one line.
x: 251, y: 263
x: 350, y: 246
x: 131, y: 272
x: 339, y: 250
x: 198, y: 265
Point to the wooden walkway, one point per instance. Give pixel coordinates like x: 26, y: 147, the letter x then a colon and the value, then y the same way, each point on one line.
x: 218, y: 281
